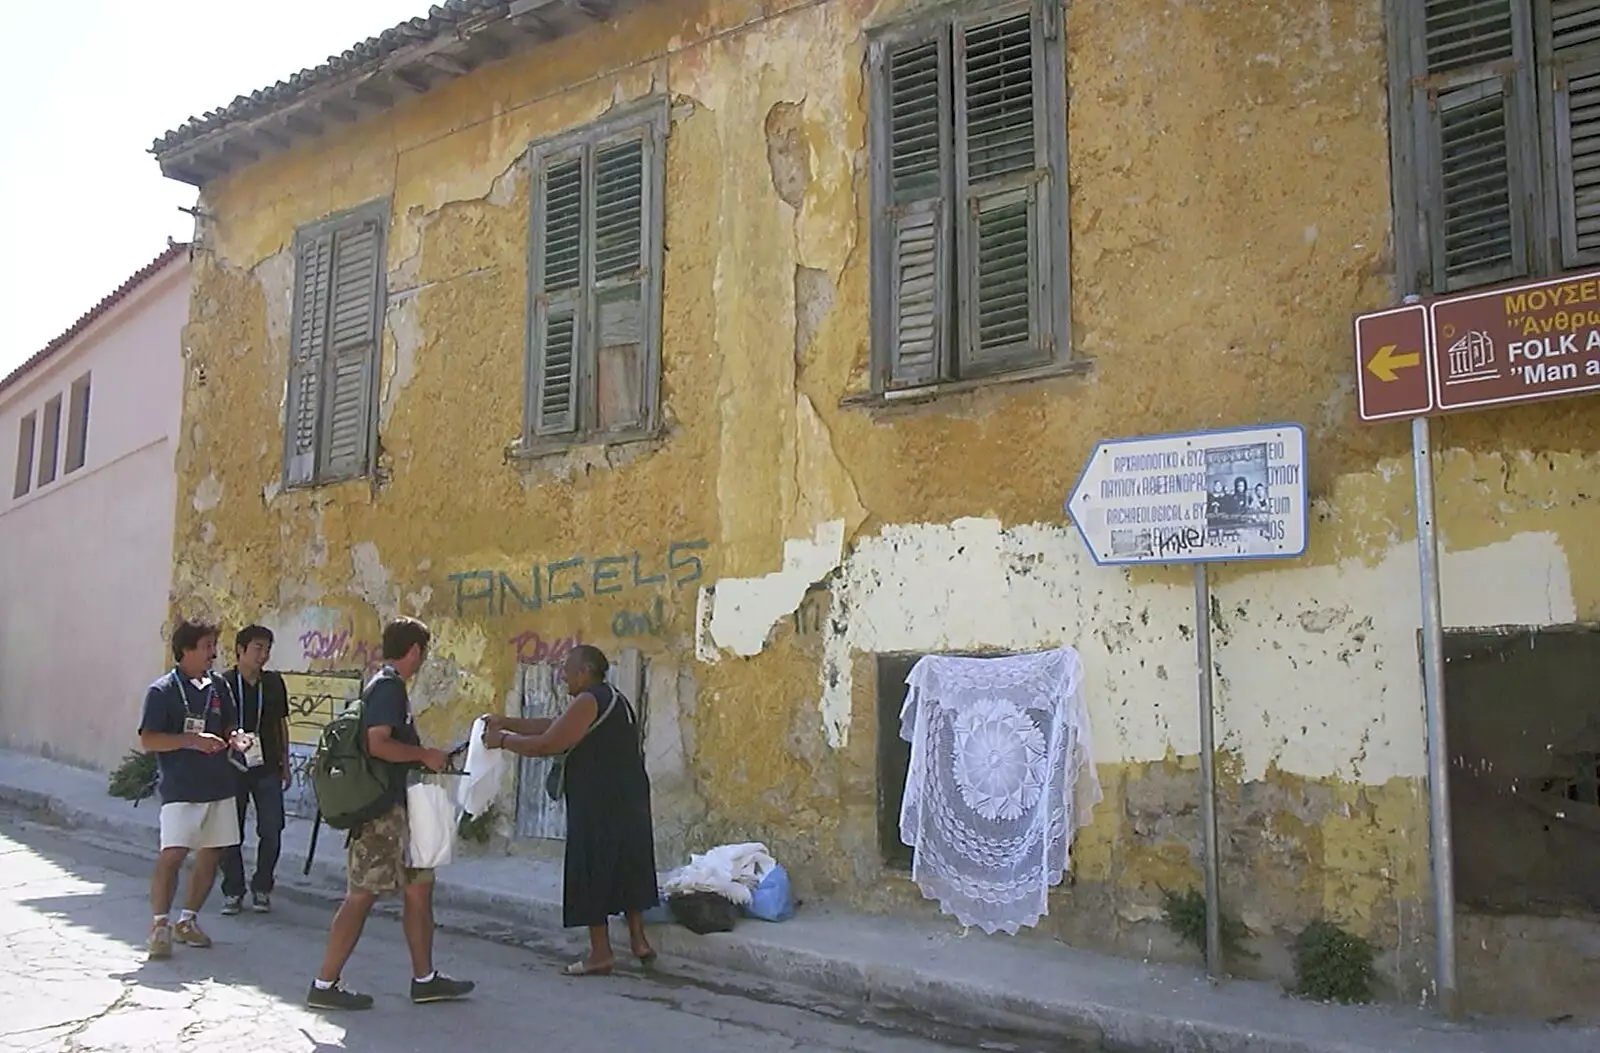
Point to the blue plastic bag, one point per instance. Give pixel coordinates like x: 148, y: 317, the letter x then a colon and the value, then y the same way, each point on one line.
x: 771, y: 900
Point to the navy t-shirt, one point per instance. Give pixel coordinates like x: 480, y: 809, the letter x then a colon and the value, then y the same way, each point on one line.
x: 385, y: 704
x: 186, y: 774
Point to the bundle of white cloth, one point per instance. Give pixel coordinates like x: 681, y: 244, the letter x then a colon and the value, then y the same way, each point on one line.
x: 1002, y: 776
x: 485, y: 768
x: 730, y: 871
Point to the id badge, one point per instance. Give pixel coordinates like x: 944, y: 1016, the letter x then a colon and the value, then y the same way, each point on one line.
x: 253, y: 756
x: 194, y: 725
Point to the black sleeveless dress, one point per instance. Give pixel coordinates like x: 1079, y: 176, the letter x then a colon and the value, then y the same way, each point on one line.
x: 611, y: 855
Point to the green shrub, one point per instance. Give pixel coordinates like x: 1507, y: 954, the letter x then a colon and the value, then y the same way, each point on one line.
x: 1331, y: 965
x: 477, y: 828
x: 131, y: 779
x: 1185, y: 915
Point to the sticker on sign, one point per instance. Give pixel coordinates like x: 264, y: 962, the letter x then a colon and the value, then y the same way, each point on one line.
x: 1195, y: 497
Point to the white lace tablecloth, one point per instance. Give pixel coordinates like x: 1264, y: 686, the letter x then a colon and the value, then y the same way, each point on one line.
x: 1002, y: 777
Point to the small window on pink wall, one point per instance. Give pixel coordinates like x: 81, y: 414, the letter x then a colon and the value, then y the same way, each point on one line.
x: 25, y: 438
x: 78, y: 424
x: 50, y: 443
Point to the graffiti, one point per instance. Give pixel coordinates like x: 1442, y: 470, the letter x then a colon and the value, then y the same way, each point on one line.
x: 1177, y: 540
x: 652, y: 622
x: 318, y: 646
x: 578, y: 578
x: 533, y: 649
x: 299, y: 800
x: 314, y: 699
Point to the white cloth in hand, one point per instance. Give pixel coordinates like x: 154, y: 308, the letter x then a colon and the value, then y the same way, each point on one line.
x: 476, y: 790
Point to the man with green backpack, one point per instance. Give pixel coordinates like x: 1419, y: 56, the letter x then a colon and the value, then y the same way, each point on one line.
x: 359, y: 776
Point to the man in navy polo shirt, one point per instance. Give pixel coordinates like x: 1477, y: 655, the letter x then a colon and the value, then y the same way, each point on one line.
x: 190, y: 722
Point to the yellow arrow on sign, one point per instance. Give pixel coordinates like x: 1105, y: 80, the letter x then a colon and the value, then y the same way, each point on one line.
x: 1385, y: 362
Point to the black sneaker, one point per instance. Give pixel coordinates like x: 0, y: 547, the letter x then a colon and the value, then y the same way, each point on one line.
x: 232, y: 905
x: 336, y: 997
x: 440, y: 989
x: 261, y: 903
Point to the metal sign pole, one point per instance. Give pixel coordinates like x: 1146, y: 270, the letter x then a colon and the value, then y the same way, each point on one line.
x: 1444, y: 888
x: 1208, y: 773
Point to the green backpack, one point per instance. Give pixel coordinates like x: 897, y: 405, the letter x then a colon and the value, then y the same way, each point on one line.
x: 352, y: 786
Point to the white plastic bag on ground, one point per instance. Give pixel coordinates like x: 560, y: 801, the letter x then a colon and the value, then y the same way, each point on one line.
x: 431, y: 817
x: 476, y: 791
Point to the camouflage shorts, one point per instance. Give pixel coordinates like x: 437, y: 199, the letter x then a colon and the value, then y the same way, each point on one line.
x: 376, y: 858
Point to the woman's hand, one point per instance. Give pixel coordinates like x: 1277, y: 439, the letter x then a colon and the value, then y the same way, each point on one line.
x: 493, y: 724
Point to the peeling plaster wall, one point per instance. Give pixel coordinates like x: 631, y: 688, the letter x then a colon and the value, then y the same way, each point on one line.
x: 772, y: 541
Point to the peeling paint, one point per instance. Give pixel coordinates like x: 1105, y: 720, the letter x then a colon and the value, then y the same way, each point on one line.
x: 746, y: 609
x: 925, y: 588
x: 208, y: 494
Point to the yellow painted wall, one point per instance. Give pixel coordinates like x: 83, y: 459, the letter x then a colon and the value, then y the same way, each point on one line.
x: 1229, y: 212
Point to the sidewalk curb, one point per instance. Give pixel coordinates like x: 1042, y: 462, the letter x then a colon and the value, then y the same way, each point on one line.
x: 1116, y: 1029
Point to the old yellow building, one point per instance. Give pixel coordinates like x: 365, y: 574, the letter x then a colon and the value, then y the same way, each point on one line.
x: 760, y: 344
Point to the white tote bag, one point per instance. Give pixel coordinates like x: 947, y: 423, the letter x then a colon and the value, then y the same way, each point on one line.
x: 431, y: 815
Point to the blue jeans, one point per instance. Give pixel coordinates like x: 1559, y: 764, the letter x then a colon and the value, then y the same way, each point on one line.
x: 264, y: 786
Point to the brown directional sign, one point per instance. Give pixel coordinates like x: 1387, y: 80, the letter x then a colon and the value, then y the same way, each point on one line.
x: 1391, y: 368
x: 1517, y: 343
x: 1520, y: 344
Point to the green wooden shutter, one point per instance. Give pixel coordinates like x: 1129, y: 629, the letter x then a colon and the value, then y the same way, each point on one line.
x: 557, y: 277
x: 913, y: 235
x: 1002, y: 180
x: 619, y: 283
x: 1477, y: 162
x: 355, y: 322
x: 302, y: 426
x: 1569, y: 52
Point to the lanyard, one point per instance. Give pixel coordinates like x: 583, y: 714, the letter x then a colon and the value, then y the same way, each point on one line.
x: 183, y: 691
x: 259, y: 684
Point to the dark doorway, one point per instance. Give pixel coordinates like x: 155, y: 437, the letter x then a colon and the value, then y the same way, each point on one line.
x: 1523, y: 719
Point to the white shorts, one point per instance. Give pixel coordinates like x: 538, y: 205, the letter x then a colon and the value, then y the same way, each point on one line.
x: 211, y: 824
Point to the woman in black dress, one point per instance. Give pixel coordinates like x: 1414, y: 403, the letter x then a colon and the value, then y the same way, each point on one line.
x: 610, y: 864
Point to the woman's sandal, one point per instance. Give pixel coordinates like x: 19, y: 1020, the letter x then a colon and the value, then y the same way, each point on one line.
x: 581, y: 968
x: 646, y: 960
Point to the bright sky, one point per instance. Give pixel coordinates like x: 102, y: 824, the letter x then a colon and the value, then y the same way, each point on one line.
x: 89, y: 86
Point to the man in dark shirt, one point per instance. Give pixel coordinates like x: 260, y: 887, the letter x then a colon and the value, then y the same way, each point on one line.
x: 263, y: 712
x: 376, y: 857
x: 190, y: 723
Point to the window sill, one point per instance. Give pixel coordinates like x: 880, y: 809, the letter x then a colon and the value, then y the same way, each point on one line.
x: 527, y: 455
x: 878, y: 400
x: 286, y: 487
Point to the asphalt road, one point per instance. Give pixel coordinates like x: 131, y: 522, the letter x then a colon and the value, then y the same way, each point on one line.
x: 73, y: 918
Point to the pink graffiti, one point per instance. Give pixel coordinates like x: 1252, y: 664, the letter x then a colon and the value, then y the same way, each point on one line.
x: 533, y: 649
x: 337, y: 647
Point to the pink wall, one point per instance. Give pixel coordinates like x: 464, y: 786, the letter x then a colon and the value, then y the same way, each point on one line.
x: 85, y: 561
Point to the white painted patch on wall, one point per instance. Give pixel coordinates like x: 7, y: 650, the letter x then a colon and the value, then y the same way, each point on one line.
x: 370, y: 581
x: 746, y: 609
x: 705, y: 649
x: 1316, y: 665
x: 207, y: 494
x: 1522, y: 581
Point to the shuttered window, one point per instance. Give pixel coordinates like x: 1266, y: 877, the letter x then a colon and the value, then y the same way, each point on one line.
x: 1497, y: 126
x: 329, y: 432
x: 970, y: 261
x: 594, y: 273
